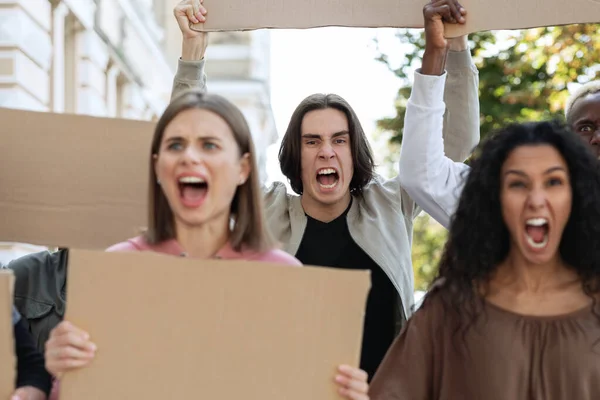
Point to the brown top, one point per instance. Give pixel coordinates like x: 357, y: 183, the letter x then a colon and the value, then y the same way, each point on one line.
x: 510, y: 357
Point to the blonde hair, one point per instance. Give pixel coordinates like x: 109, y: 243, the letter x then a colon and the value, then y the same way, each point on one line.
x: 250, y: 227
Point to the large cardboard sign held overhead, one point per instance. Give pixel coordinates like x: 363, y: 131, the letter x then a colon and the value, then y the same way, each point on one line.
x: 177, y: 328
x: 483, y: 15
x: 72, y: 180
x: 487, y: 15
x: 7, y: 344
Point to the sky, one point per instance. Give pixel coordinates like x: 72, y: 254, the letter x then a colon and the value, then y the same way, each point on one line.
x: 331, y: 60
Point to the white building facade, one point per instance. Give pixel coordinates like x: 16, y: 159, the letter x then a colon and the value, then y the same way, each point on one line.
x: 117, y: 58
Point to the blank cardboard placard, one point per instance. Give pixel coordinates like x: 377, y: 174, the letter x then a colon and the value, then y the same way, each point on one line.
x: 226, y: 15
x: 483, y: 15
x: 72, y: 180
x: 7, y: 344
x: 487, y: 15
x: 177, y: 328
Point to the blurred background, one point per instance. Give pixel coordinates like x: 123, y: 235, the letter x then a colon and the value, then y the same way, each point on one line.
x: 117, y: 58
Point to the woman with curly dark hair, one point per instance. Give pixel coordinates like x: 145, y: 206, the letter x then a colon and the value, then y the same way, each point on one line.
x: 513, y: 313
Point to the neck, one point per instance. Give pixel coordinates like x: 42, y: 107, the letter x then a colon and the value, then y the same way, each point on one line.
x: 203, y: 241
x: 523, y: 276
x: 325, y: 212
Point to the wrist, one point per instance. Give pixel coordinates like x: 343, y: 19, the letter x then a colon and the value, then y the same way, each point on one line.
x: 193, y: 49
x: 460, y: 43
x: 434, y: 61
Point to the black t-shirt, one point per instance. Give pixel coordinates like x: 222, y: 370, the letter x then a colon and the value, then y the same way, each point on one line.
x: 330, y: 245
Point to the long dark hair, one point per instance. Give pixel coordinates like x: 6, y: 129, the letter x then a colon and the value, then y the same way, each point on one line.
x: 478, y: 237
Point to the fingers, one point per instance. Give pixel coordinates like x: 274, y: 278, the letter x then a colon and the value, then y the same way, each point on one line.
x: 66, y: 327
x: 67, y: 348
x: 28, y: 393
x: 67, y: 333
x: 455, y: 12
x: 352, y: 383
x: 449, y: 10
x: 437, y: 11
x: 352, y: 372
x: 192, y: 9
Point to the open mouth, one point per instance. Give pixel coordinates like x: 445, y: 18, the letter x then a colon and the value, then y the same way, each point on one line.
x: 536, y: 232
x: 327, y: 178
x: 192, y: 190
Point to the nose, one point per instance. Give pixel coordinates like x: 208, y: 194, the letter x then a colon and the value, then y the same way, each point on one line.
x: 190, y: 156
x: 537, y: 199
x: 326, y: 151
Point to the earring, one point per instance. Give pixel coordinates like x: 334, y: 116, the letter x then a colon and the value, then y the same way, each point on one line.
x: 158, y: 182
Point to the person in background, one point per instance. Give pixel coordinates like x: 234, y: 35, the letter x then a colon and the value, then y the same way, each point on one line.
x: 583, y: 114
x: 204, y: 202
x: 33, y: 381
x: 341, y: 213
x: 40, y: 291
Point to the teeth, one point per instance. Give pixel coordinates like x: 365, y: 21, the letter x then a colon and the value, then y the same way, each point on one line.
x: 191, y: 179
x: 535, y: 245
x: 328, y: 186
x: 326, y: 171
x: 537, y: 221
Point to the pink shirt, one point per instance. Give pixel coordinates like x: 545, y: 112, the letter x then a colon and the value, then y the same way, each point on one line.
x: 172, y: 247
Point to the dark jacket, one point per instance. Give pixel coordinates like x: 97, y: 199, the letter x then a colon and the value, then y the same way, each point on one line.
x: 30, y: 362
x: 40, y: 291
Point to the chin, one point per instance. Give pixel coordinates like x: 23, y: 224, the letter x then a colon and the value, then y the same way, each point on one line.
x: 191, y: 217
x: 547, y: 255
x: 539, y: 259
x: 329, y: 198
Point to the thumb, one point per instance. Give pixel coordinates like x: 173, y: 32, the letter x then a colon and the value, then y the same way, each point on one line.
x: 19, y: 395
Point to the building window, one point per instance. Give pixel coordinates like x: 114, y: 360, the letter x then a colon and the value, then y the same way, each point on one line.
x: 65, y: 32
x: 72, y: 30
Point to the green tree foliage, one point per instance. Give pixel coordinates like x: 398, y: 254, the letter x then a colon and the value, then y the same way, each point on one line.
x: 523, y: 75
x: 429, y: 238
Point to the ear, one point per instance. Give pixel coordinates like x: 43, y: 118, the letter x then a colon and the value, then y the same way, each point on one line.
x: 245, y: 168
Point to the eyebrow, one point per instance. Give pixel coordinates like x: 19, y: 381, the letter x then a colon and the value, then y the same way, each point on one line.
x: 181, y: 138
x: 585, y: 120
x: 317, y: 136
x: 521, y: 173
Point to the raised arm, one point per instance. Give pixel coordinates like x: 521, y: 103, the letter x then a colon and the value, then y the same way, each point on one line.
x: 190, y: 69
x: 461, y: 97
x: 431, y: 168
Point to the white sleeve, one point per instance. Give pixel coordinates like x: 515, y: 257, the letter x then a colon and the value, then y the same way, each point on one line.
x: 432, y: 180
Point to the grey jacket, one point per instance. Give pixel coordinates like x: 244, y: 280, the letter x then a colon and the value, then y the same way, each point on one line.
x: 39, y: 293
x: 381, y: 219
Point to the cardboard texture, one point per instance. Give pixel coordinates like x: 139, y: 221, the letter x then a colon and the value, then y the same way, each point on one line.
x: 7, y: 345
x: 521, y: 14
x: 483, y: 14
x: 72, y: 180
x: 177, y: 328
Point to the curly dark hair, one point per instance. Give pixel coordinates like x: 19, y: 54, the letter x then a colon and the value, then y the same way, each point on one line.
x: 478, y: 238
